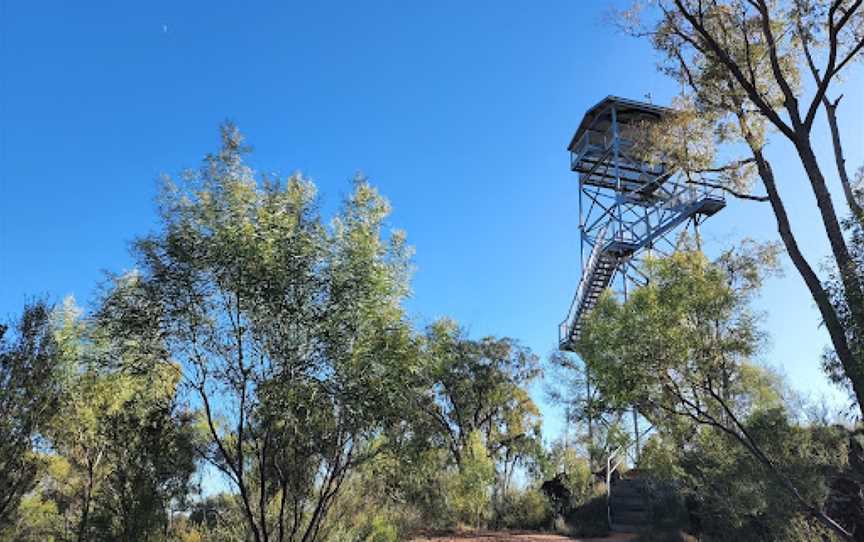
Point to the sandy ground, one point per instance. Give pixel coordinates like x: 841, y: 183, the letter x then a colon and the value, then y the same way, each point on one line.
x: 516, y: 537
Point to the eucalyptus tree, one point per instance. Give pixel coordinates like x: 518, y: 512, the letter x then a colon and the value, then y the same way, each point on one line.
x: 751, y: 68
x: 479, y: 385
x: 289, y: 332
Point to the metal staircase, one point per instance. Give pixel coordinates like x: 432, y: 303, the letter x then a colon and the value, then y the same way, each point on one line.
x: 596, y: 276
x: 608, y: 254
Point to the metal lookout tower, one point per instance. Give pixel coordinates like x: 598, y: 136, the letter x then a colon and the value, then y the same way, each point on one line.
x: 627, y: 206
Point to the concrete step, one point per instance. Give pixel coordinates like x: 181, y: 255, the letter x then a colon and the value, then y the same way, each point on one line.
x: 631, y: 517
x: 624, y: 528
x: 628, y: 505
x: 628, y: 510
x: 627, y: 492
x: 627, y: 495
x: 636, y: 482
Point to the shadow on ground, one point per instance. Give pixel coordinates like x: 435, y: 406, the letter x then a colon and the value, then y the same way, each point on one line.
x: 512, y: 536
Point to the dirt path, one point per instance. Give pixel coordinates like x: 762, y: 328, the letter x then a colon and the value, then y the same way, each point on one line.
x: 515, y: 537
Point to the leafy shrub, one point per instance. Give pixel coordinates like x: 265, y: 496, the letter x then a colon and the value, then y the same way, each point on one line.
x: 528, y: 509
x: 469, y: 489
x: 727, y: 494
x: 381, y: 530
x: 588, y: 519
x: 666, y: 504
x: 35, y: 520
x: 568, y: 474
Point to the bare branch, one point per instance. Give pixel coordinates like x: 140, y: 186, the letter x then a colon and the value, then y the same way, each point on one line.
x: 728, y: 190
x: 735, y: 69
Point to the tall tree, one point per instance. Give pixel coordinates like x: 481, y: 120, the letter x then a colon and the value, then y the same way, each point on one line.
x: 680, y: 349
x: 289, y: 333
x: 29, y: 393
x: 749, y: 67
x: 479, y: 386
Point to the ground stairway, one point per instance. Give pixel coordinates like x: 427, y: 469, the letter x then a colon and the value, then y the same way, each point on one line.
x: 628, y: 506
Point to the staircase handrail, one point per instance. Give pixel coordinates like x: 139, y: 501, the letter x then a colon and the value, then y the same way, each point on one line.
x: 593, y: 258
x: 611, y: 466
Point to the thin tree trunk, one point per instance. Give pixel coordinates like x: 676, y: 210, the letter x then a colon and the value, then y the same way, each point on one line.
x: 823, y: 303
x: 840, y: 251
x: 85, y: 509
x: 840, y: 160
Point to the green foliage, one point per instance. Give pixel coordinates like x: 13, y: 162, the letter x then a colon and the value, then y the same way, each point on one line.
x: 413, y: 479
x: 464, y: 389
x: 576, y: 470
x: 115, y: 448
x: 216, y: 518
x: 831, y: 363
x: 381, y: 531
x: 29, y: 394
x: 122, y: 449
x: 289, y: 331
x: 270, y: 344
x: 679, y: 348
x: 525, y: 509
x: 479, y: 386
x: 726, y: 489
x: 594, y: 423
x: 687, y: 326
x: 469, y: 488
x: 36, y: 520
x: 739, y: 87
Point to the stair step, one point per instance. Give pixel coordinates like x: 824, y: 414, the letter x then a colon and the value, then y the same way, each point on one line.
x: 627, y: 492
x: 631, y: 517
x: 627, y: 499
x: 625, y: 483
x: 624, y: 528
x: 628, y: 502
x: 619, y: 504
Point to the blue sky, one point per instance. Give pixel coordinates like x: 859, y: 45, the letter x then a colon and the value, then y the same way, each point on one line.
x: 458, y: 111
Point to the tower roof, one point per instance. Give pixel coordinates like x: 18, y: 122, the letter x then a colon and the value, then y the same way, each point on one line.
x: 623, y: 107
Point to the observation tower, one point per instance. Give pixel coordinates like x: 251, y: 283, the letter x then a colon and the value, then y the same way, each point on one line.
x: 628, y: 206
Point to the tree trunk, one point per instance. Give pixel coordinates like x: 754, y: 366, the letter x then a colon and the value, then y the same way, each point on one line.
x: 846, y: 268
x: 85, y: 508
x: 840, y: 160
x: 823, y: 303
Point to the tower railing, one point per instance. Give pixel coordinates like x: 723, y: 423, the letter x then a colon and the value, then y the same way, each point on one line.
x: 613, y: 461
